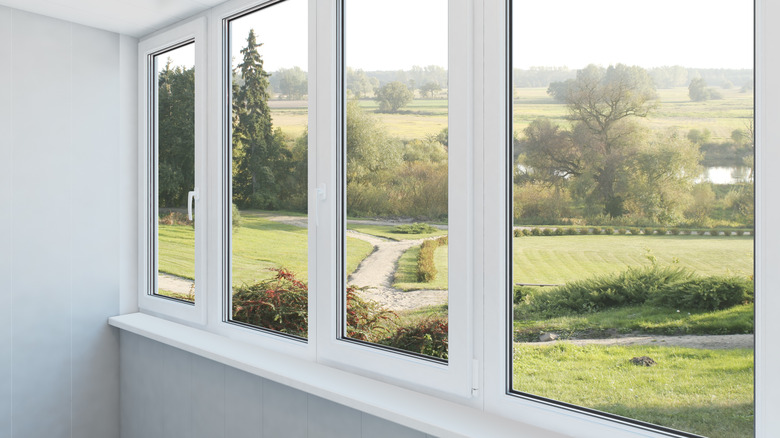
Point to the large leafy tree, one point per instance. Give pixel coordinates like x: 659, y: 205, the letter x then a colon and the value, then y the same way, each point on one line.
x: 260, y: 158
x: 176, y: 134
x: 606, y: 152
x: 393, y: 96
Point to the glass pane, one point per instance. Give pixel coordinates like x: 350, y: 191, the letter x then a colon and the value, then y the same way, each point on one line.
x: 269, y: 178
x: 175, y: 110
x: 396, y: 174
x: 633, y: 210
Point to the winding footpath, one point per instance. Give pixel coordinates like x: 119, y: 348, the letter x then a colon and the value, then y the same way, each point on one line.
x: 376, y: 272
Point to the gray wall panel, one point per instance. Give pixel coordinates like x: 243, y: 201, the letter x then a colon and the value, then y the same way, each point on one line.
x: 177, y: 393
x: 285, y: 411
x: 168, y: 393
x: 375, y: 427
x: 208, y: 398
x: 131, y: 417
x: 243, y: 404
x: 41, y: 240
x: 59, y: 238
x: 94, y: 238
x: 150, y: 381
x: 332, y: 420
x: 6, y: 226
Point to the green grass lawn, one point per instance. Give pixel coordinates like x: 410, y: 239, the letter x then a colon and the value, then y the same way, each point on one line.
x: 559, y: 259
x: 684, y: 391
x: 386, y: 231
x: 406, y: 275
x: 642, y: 319
x: 258, y: 244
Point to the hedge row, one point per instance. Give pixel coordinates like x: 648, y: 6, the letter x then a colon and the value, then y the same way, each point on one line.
x: 632, y: 231
x: 668, y: 287
x: 426, y: 268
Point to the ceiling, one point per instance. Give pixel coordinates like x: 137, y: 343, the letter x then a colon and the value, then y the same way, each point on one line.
x: 130, y: 17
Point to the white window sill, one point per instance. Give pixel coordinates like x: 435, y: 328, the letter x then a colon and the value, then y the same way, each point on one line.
x: 418, y: 411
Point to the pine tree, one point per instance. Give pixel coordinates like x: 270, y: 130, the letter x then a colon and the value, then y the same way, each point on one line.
x: 260, y: 158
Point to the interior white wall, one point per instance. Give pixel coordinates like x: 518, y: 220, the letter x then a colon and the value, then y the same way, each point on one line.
x: 61, y: 109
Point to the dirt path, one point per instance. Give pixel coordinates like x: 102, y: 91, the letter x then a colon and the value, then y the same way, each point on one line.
x: 175, y: 284
x: 378, y: 269
x: 709, y: 342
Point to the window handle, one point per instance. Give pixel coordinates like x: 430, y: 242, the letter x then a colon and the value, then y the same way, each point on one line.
x: 320, y: 196
x: 193, y: 195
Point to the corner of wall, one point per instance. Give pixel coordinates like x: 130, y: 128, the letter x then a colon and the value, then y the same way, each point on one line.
x: 128, y: 174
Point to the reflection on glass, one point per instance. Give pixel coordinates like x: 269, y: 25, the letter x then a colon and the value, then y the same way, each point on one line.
x: 175, y: 114
x: 620, y: 246
x: 396, y: 175
x: 269, y: 178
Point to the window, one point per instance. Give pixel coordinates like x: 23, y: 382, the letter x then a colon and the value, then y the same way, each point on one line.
x: 173, y: 190
x: 500, y: 140
x: 267, y: 170
x: 396, y: 166
x: 174, y: 183
x: 632, y: 213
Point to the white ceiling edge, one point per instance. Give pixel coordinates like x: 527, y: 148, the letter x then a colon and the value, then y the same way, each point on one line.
x: 135, y: 18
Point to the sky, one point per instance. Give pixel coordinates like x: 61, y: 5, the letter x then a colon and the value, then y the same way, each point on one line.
x: 398, y: 34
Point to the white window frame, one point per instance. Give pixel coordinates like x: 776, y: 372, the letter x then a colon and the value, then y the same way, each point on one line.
x: 219, y: 146
x: 454, y: 377
x: 479, y: 368
x: 194, y: 313
x: 496, y: 197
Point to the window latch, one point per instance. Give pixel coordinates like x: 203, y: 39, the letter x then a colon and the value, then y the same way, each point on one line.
x: 192, y: 196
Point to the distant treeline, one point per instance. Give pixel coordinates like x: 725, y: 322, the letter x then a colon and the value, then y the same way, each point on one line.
x: 663, y: 77
x: 292, y: 82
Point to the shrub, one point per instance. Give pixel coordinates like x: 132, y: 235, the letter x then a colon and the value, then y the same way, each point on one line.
x: 547, y: 232
x: 279, y: 303
x: 366, y: 319
x: 536, y: 231
x: 173, y: 217
x: 426, y: 268
x: 235, y: 216
x: 573, y: 231
x: 521, y: 292
x: 671, y: 287
x: 428, y: 336
x: 415, y: 228
x: 705, y: 293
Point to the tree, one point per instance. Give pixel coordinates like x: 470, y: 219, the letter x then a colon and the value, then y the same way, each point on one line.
x: 429, y: 88
x: 358, y: 83
x: 605, y: 157
x: 293, y: 83
x: 176, y: 135
x: 260, y: 157
x: 369, y: 148
x: 698, y: 91
x: 393, y: 96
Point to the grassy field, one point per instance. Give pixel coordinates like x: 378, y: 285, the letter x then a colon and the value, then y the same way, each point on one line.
x: 258, y: 244
x: 423, y: 117
x: 675, y: 111
x: 641, y: 319
x: 559, y: 259
x: 406, y: 275
x: 685, y: 390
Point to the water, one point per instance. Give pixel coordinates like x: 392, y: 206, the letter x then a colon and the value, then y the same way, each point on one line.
x: 725, y: 175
